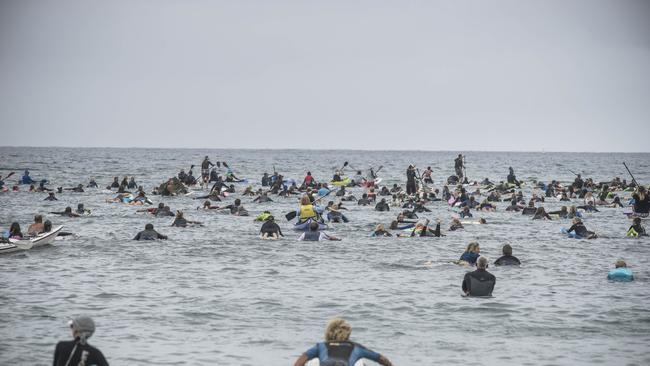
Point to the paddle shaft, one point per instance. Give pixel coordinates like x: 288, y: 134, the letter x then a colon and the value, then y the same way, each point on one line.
x: 628, y: 170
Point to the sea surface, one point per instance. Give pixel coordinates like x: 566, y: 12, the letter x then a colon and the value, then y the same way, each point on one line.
x: 218, y: 295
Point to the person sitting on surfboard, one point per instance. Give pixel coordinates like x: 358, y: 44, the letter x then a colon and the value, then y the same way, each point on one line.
x: 480, y: 282
x: 338, y: 349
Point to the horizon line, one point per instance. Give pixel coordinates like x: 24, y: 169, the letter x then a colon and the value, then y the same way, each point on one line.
x: 318, y: 149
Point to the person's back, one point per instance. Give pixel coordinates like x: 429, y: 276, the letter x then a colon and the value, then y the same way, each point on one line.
x: 507, y: 260
x: 479, y: 282
x: 78, y: 352
x: 84, y: 354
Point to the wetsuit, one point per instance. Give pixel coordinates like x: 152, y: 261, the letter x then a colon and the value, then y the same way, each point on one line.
x: 150, y: 235
x: 266, y: 181
x: 50, y: 198
x: 270, y: 228
x: 382, y: 206
x: 507, y: 260
x: 636, y: 230
x: 529, y: 211
x: 464, y: 214
x: 84, y: 354
x: 470, y: 257
x: 340, y: 353
x: 641, y: 206
x: 180, y: 222
x: 458, y: 166
x: 580, y: 230
x: 410, y: 181
x: 479, y: 283
x: 427, y: 232
x: 363, y: 202
x: 381, y: 233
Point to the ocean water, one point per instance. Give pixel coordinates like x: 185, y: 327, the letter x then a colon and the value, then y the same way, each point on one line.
x: 219, y: 295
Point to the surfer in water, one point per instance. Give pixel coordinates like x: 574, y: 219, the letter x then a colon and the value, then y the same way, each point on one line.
x: 338, y: 349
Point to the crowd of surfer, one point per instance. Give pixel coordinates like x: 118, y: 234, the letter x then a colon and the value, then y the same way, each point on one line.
x: 314, y: 216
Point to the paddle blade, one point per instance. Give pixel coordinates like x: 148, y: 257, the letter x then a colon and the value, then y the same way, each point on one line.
x: 291, y: 215
x: 10, y: 174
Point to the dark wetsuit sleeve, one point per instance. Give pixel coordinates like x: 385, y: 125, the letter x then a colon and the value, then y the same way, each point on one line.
x: 56, y: 354
x: 466, y: 282
x: 137, y: 237
x: 436, y: 232
x: 279, y: 230
x: 161, y: 236
x: 572, y: 228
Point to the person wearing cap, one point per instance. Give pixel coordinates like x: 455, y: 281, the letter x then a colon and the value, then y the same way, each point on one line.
x: 338, y: 349
x: 78, y: 351
x: 149, y: 234
x: 479, y: 282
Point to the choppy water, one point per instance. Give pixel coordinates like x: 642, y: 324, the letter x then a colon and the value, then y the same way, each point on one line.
x: 218, y: 295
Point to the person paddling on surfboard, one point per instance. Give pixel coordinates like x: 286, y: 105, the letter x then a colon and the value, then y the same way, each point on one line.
x: 338, y: 349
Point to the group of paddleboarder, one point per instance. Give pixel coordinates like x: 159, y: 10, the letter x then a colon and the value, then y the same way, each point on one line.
x: 314, y: 217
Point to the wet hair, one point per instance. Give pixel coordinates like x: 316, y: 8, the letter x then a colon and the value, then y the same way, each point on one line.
x: 338, y: 330
x: 68, y: 209
x: 161, y: 205
x: 237, y: 202
x: 305, y: 200
x: 47, y: 226
x: 38, y: 219
x: 620, y: 264
x: 14, y: 229
x: 507, y: 249
x: 148, y: 226
x: 313, y: 226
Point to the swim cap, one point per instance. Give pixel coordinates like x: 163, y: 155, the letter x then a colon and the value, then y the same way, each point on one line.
x: 85, y: 326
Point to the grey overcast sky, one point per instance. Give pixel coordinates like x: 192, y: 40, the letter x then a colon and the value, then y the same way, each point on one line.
x: 426, y: 75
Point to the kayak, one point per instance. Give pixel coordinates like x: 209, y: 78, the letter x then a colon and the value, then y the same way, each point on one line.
x: 16, y: 245
x: 304, y: 225
x: 340, y: 183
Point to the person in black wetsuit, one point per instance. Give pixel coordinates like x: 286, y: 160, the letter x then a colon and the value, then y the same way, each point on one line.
x: 67, y: 212
x: 641, y: 201
x: 563, y: 212
x: 541, y: 214
x: 479, y: 282
x: 382, y: 206
x: 578, y: 182
x: 270, y: 229
x: 149, y: 234
x: 636, y: 229
x: 181, y: 221
x: 581, y: 230
x: 458, y: 167
x: 205, y: 168
x: 512, y: 179
x: 51, y: 197
x: 78, y: 351
x: 507, y: 259
x: 410, y: 180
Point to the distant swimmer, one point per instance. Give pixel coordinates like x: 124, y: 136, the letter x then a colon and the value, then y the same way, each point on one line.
x: 507, y: 259
x: 338, y: 350
x: 78, y: 351
x: 620, y: 273
x: 67, y: 212
x: 314, y: 234
x: 480, y: 282
x: 181, y: 221
x: 381, y: 231
x: 50, y: 197
x: 26, y: 179
x: 149, y: 234
x: 636, y: 229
